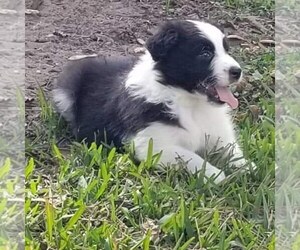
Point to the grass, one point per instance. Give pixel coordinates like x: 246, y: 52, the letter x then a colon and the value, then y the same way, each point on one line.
x: 287, y: 139
x: 287, y: 135
x: 255, y: 6
x: 82, y: 197
x: 11, y: 212
x: 11, y: 169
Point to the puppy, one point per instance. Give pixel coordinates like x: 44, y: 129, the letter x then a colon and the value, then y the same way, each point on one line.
x: 176, y: 93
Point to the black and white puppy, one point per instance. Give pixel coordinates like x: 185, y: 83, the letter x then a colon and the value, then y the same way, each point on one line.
x: 176, y: 93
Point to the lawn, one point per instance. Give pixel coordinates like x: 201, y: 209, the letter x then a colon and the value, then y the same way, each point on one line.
x: 96, y: 198
x: 80, y: 197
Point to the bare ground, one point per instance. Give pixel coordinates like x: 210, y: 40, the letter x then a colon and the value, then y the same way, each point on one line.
x: 66, y: 28
x: 12, y: 71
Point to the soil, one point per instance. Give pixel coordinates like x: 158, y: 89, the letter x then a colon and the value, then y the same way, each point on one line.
x: 12, y: 71
x: 66, y: 28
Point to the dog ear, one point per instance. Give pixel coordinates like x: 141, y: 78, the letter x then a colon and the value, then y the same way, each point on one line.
x: 161, y: 43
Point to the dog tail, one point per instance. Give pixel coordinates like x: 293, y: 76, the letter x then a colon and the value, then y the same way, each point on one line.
x: 66, y: 90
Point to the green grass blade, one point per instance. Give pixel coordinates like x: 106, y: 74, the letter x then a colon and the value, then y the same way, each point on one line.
x: 29, y: 168
x: 75, y: 217
x: 49, y: 219
x: 5, y: 169
x: 149, y: 153
x: 147, y: 239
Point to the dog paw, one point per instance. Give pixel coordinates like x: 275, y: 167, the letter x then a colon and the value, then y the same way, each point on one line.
x: 215, y: 174
x: 244, y: 165
x: 219, y: 178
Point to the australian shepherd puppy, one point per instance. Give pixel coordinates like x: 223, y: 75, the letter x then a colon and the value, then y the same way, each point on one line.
x: 177, y: 93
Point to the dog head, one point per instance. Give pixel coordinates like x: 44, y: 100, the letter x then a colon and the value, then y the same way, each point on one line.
x: 193, y: 55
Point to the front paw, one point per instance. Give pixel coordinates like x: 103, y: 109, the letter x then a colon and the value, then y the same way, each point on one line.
x: 244, y: 165
x: 219, y: 178
x: 214, y: 173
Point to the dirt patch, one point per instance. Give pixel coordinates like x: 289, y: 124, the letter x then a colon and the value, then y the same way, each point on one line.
x: 12, y: 68
x: 67, y: 28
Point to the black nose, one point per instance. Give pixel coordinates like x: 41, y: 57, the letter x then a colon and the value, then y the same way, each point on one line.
x: 235, y: 73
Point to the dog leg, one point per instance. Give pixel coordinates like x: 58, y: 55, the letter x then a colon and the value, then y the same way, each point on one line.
x: 194, y: 163
x: 241, y: 162
x: 238, y: 157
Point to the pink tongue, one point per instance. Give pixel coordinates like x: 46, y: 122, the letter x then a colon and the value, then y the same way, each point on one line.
x: 225, y: 95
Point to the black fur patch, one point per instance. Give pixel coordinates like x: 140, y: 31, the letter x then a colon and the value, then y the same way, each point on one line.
x: 186, y: 58
x: 225, y: 44
x: 103, y: 109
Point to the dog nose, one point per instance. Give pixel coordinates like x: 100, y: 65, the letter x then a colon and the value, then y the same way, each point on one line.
x: 235, y: 73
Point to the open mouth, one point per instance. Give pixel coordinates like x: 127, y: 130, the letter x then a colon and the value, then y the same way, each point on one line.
x: 221, y: 94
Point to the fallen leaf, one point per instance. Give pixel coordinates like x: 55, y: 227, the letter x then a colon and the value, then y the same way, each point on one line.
x: 235, y: 37
x: 291, y: 42
x: 268, y: 42
x: 255, y: 111
x: 8, y: 12
x: 140, y: 41
x: 78, y: 57
x: 31, y: 12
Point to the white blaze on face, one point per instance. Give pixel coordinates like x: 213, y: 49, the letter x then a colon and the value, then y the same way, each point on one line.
x: 221, y: 63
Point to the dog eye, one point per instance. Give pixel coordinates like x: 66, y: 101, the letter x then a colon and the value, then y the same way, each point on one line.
x: 205, y: 53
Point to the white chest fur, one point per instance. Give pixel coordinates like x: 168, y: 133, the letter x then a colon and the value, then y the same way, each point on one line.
x: 200, y: 120
x: 202, y: 126
x: 203, y: 123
